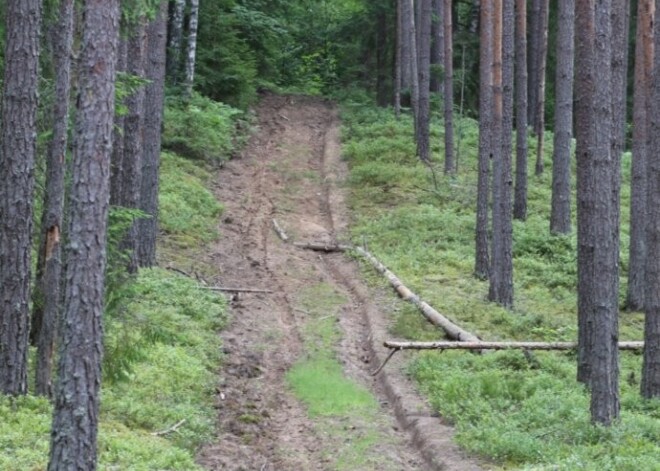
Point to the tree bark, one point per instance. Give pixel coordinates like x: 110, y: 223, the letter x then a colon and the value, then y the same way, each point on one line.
x: 450, y: 165
x: 482, y: 262
x: 437, y: 45
x: 535, y: 18
x: 650, y: 386
x: 117, y: 160
x: 560, y: 216
x: 175, y: 44
x: 520, y: 198
x: 382, y: 96
x: 75, y: 420
x: 539, y: 118
x: 640, y: 148
x: 131, y: 171
x: 424, y: 70
x: 192, y: 47
x: 484, y: 345
x: 409, y: 14
x: 153, y: 117
x: 598, y: 241
x: 17, y: 156
x: 46, y: 300
x: 397, y: 61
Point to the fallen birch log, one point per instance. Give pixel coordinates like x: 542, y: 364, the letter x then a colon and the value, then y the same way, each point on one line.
x: 452, y: 330
x: 280, y: 231
x: 236, y: 290
x: 320, y: 247
x: 497, y: 345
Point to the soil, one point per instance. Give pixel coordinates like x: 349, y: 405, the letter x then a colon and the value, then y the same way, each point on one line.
x: 292, y: 171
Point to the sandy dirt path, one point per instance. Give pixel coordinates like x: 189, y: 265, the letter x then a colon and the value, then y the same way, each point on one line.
x: 292, y: 171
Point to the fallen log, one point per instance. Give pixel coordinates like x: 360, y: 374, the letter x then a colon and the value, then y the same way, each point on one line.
x: 452, y: 330
x: 236, y: 290
x: 320, y: 247
x: 497, y: 345
x: 280, y: 231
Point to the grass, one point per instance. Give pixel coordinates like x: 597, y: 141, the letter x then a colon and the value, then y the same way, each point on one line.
x: 520, y: 413
x: 345, y: 413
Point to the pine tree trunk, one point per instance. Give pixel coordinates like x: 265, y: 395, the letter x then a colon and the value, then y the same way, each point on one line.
x: 482, y: 263
x: 153, y: 117
x: 17, y: 157
x: 598, y: 247
x: 175, y: 43
x: 520, y: 193
x: 192, y: 47
x: 406, y: 54
x: 117, y: 160
x: 397, y: 61
x: 641, y: 117
x: 131, y: 171
x: 382, y: 95
x: 650, y: 386
x: 450, y: 165
x: 539, y: 118
x: 437, y: 45
x: 560, y: 217
x: 49, y: 268
x: 414, y: 76
x: 535, y: 18
x: 76, y: 413
x: 424, y: 70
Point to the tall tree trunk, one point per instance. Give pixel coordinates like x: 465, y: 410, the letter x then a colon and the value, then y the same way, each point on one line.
x: 382, y: 96
x: 598, y: 241
x: 153, y: 118
x: 520, y: 192
x: 539, y: 118
x: 535, y: 19
x: 414, y: 76
x: 175, y: 43
x: 131, y: 171
x: 406, y: 54
x: 640, y: 151
x: 437, y: 45
x: 75, y: 420
x: 424, y: 70
x: 17, y: 155
x: 560, y: 217
x: 450, y: 166
x: 49, y: 267
x: 397, y: 61
x: 192, y: 47
x: 482, y: 263
x: 501, y: 269
x: 650, y: 386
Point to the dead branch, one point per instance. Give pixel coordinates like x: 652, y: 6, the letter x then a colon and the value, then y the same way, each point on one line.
x: 173, y: 428
x: 452, y: 330
x: 235, y: 290
x: 388, y: 358
x: 320, y: 247
x: 280, y: 231
x: 396, y: 346
x: 179, y: 271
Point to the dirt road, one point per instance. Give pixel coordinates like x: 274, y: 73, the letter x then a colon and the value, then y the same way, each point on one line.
x: 291, y: 171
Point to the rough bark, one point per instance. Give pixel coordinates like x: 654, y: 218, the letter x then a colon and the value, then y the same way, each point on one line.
x: 539, y: 109
x: 175, y: 42
x: 406, y: 55
x: 424, y: 71
x: 560, y: 215
x: 192, y: 47
x: 641, y: 117
x: 153, y: 117
x: 46, y: 299
x: 438, y: 45
x: 520, y: 193
x: 484, y: 345
x: 131, y: 170
x: 409, y: 15
x: 482, y: 262
x: 598, y: 241
x: 450, y: 165
x: 75, y: 421
x: 533, y: 58
x: 650, y: 386
x: 397, y: 61
x: 17, y: 157
x: 501, y: 268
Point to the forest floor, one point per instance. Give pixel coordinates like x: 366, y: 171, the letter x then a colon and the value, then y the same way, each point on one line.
x: 281, y: 345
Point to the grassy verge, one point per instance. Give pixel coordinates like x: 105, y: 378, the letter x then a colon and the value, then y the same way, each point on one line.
x: 522, y: 414
x: 162, y: 351
x: 345, y: 413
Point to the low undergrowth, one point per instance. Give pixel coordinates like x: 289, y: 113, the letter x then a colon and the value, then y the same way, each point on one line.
x: 523, y: 413
x: 162, y: 351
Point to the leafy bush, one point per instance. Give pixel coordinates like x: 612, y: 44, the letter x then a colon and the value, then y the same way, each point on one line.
x: 201, y: 128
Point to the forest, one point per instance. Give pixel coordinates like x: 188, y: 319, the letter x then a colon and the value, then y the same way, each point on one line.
x: 206, y: 204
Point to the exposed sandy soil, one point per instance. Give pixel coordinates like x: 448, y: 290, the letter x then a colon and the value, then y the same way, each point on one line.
x: 292, y: 171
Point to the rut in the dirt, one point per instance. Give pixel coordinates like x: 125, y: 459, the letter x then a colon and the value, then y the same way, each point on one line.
x: 290, y: 171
